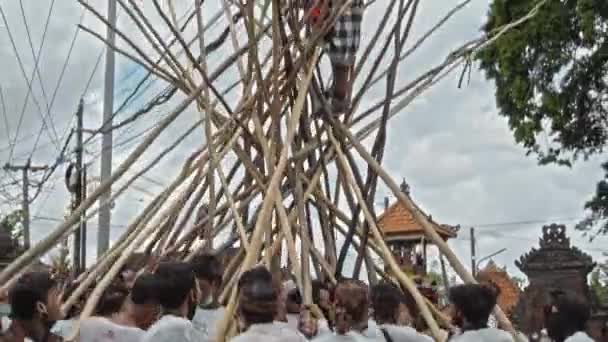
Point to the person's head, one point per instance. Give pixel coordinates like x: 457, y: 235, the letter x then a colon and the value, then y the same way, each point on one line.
x: 112, y: 300
x: 351, y: 306
x: 294, y: 301
x: 36, y: 297
x: 389, y: 304
x: 179, y: 293
x: 473, y: 304
x: 567, y: 314
x: 74, y: 311
x: 128, y: 275
x: 145, y: 299
x: 208, y: 271
x: 321, y: 294
x: 258, y: 297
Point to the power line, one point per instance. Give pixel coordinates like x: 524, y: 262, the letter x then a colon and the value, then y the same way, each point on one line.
x: 524, y: 222
x: 6, y: 123
x: 28, y: 82
x: 36, y: 56
x: 60, y: 79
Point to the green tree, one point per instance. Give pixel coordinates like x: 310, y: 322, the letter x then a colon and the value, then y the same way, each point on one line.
x: 11, y: 224
x: 598, y: 286
x: 520, y: 282
x: 551, y: 77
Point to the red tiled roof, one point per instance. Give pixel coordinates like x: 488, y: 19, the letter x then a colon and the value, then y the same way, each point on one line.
x: 509, y: 291
x: 398, y: 220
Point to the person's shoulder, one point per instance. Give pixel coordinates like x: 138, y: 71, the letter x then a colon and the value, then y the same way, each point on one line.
x: 170, y: 328
x: 579, y: 337
x: 489, y: 334
x: 405, y: 333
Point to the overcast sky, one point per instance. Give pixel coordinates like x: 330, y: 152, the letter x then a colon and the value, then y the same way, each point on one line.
x: 456, y: 153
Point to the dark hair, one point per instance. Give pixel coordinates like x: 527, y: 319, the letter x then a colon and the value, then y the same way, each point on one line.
x: 207, y: 267
x: 317, y: 287
x: 386, y: 298
x: 475, y: 302
x: 353, y: 297
x: 176, y: 280
x: 112, y: 299
x: 146, y: 289
x: 258, y: 297
x: 31, y: 288
x: 294, y: 296
x: 571, y: 315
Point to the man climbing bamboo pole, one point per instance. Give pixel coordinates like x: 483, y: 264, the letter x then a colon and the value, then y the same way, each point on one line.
x: 342, y: 44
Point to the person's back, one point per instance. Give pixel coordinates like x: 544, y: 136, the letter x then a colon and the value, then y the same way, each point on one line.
x: 351, y: 336
x: 172, y: 328
x: 206, y: 319
x: 270, y: 332
x: 483, y: 335
x: 579, y: 337
x: 101, y: 329
x: 396, y: 333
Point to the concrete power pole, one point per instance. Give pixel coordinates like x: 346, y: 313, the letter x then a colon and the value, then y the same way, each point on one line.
x: 103, y: 235
x: 25, y: 204
x: 79, y: 193
x: 473, y: 254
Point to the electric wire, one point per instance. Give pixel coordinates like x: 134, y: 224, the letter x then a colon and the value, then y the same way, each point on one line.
x: 60, y: 79
x: 27, y: 80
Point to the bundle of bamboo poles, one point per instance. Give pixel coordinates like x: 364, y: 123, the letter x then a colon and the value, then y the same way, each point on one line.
x: 289, y: 171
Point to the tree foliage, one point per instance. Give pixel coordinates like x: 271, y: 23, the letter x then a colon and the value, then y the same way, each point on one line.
x: 551, y: 77
x: 11, y: 224
x: 599, y: 288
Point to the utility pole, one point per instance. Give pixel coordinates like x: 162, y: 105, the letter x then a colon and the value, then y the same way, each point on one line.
x: 25, y: 204
x: 103, y: 235
x: 78, y: 194
x: 473, y: 257
x: 76, y: 182
x: 83, y: 222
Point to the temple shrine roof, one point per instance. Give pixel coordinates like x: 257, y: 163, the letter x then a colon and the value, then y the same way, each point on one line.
x: 509, y: 291
x: 399, y: 220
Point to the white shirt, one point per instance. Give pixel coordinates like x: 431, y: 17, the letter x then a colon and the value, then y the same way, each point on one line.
x: 397, y: 333
x: 484, y: 335
x: 63, y: 328
x: 293, y: 320
x: 270, y: 332
x: 579, y: 337
x: 100, y: 329
x: 205, y: 321
x: 351, y: 336
x: 172, y: 329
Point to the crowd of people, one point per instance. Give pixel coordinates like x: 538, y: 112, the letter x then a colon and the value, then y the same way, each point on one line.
x: 179, y: 301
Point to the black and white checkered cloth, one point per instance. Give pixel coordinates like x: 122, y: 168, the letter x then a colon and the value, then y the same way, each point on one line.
x: 343, y: 41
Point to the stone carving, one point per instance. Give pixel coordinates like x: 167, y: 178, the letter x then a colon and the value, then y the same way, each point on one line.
x: 555, y: 265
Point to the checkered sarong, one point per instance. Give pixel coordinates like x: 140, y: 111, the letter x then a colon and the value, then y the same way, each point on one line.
x: 343, y: 41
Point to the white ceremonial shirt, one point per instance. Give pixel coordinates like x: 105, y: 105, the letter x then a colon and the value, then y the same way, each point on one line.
x: 100, y: 329
x: 351, y: 336
x: 579, y: 337
x: 63, y: 328
x: 270, y: 332
x: 206, y: 320
x: 172, y: 329
x: 397, y: 333
x: 483, y: 335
